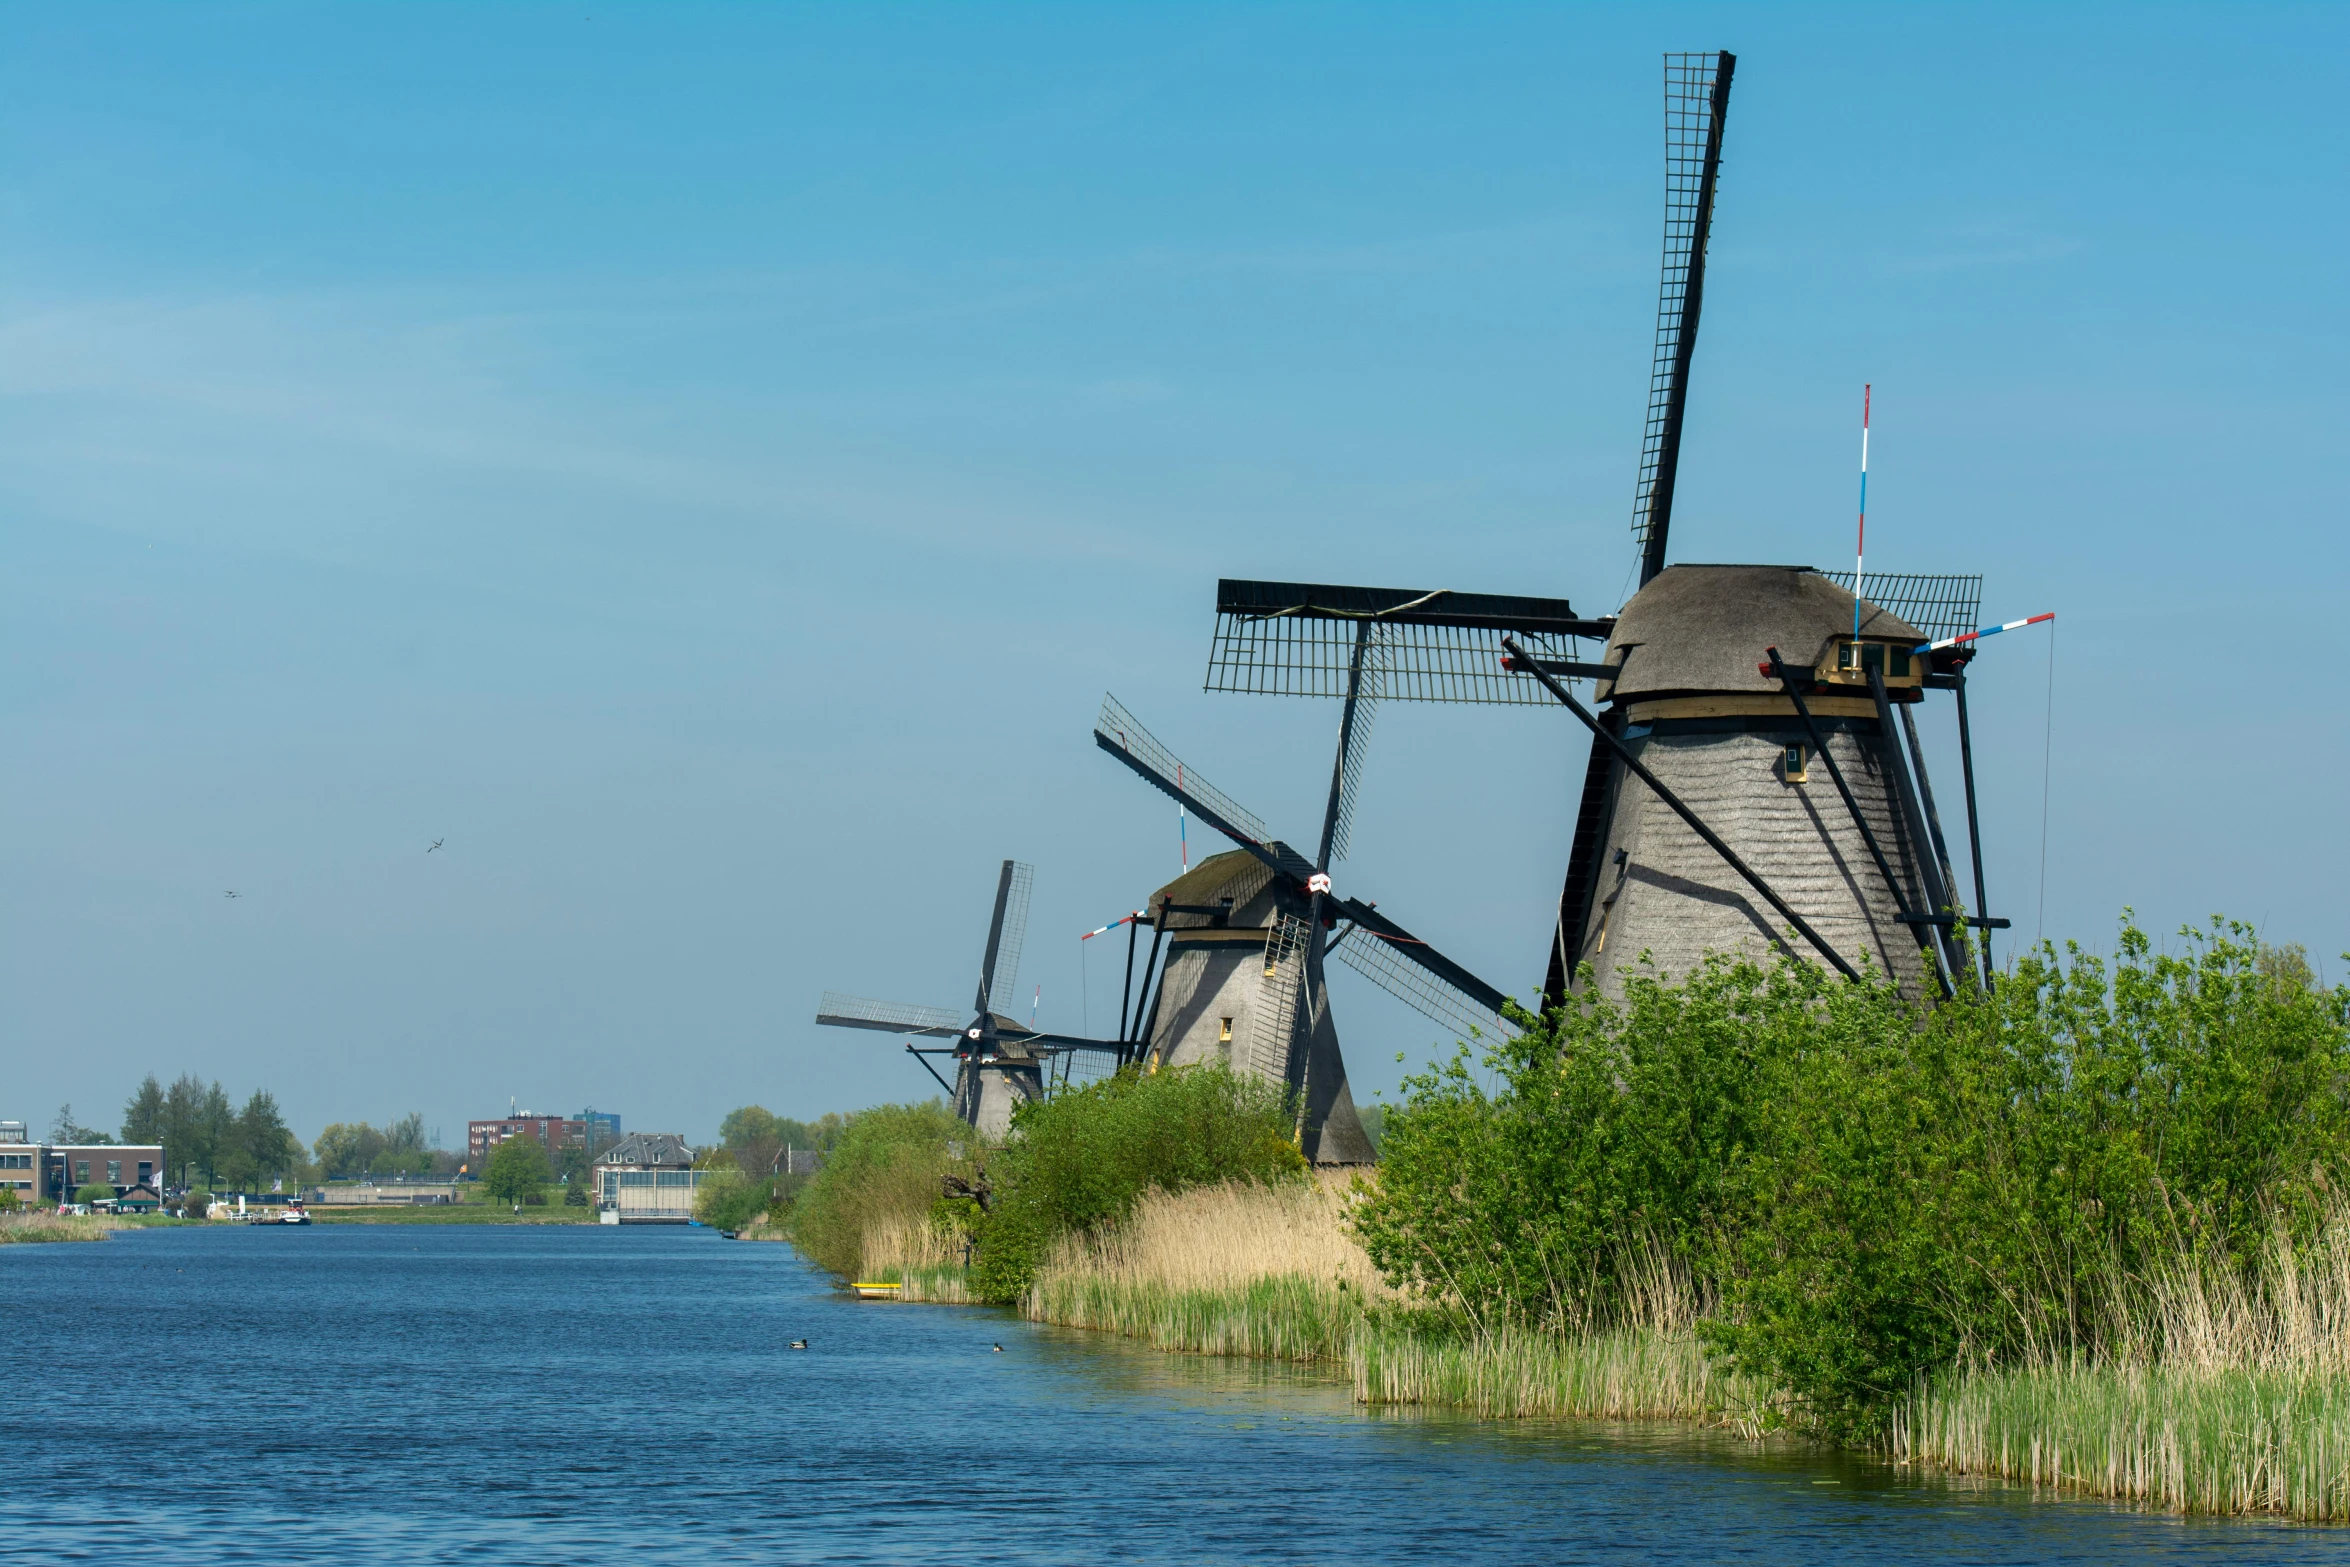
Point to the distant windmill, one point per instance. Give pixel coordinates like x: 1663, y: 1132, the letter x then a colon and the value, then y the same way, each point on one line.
x: 1246, y: 936
x: 1699, y: 823
x: 998, y: 1061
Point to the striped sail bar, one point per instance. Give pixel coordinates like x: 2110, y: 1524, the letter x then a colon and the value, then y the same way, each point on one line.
x: 1987, y: 631
x: 1427, y: 645
x: 1939, y: 606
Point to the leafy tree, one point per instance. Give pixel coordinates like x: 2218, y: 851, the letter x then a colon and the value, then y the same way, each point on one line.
x: 96, y: 1191
x: 9, y: 1202
x: 216, y: 1132
x: 885, y: 1167
x: 64, y: 1129
x: 182, y: 1129
x: 142, y: 1117
x: 517, y: 1170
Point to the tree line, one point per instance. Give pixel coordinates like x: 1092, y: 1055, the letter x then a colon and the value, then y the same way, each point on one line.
x: 207, y: 1140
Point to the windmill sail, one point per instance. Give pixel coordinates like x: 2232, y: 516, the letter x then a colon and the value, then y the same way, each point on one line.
x: 1433, y: 645
x: 895, y: 1017
x: 1000, y: 980
x: 1697, y: 102
x: 1273, y: 1041
x: 1121, y: 734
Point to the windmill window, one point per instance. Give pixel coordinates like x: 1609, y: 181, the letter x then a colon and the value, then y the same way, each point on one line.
x: 1791, y: 764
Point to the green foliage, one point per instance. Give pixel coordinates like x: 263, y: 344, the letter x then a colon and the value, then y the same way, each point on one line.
x: 9, y: 1202
x: 1870, y: 1194
x: 64, y: 1129
x: 517, y: 1171
x: 96, y: 1191
x: 575, y: 1196
x: 886, y: 1166
x: 1082, y: 1158
x: 727, y: 1199
x: 142, y: 1117
x: 354, y: 1148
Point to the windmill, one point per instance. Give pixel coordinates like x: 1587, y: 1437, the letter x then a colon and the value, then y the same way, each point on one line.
x: 1728, y: 690
x: 1247, y: 933
x: 997, y: 1061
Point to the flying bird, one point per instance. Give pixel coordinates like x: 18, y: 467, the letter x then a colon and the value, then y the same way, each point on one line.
x: 228, y: 894
x: 436, y: 843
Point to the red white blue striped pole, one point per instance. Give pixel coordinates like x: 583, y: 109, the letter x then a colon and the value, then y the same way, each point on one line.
x: 1860, y: 543
x: 1987, y: 631
x: 1113, y: 925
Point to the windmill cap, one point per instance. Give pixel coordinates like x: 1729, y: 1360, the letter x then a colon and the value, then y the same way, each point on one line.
x: 1700, y: 630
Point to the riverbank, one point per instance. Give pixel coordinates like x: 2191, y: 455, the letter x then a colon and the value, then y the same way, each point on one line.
x: 22, y: 1229
x: 2259, y: 1424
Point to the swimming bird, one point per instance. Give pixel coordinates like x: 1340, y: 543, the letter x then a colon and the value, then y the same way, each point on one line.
x: 999, y: 1349
x: 798, y: 1343
x: 436, y: 843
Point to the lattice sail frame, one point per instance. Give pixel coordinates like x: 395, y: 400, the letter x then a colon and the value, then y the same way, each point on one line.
x: 1689, y: 108
x: 1370, y: 955
x: 1003, y: 997
x: 1939, y: 606
x: 1122, y: 727
x: 1298, y: 639
x: 904, y: 1016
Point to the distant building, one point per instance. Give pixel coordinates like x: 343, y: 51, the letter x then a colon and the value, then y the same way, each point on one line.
x: 647, y: 1178
x: 46, y: 1173
x: 554, y: 1132
x: 603, y: 1128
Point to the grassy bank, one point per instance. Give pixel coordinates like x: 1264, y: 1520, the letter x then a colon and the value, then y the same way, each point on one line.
x: 21, y: 1229
x: 1272, y: 1272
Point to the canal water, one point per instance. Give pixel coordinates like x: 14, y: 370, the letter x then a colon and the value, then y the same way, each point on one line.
x: 410, y: 1394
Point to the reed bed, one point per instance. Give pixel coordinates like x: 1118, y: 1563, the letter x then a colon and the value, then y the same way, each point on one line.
x: 1230, y: 1269
x: 2223, y: 1390
x: 1630, y: 1373
x: 19, y: 1229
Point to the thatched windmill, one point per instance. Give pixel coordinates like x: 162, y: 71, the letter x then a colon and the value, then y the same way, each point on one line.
x: 1245, y: 935
x: 1755, y: 771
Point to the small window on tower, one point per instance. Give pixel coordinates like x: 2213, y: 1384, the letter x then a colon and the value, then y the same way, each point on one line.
x: 1224, y: 1033
x: 1791, y: 765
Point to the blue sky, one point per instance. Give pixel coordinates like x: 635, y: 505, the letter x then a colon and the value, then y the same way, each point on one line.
x: 707, y: 463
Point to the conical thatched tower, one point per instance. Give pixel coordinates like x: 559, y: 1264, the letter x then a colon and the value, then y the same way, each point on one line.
x: 1690, y: 697
x: 1233, y: 991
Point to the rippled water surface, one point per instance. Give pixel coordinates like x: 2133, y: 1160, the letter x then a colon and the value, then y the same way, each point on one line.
x: 404, y: 1394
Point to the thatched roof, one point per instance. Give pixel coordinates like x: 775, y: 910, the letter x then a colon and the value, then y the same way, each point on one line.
x: 1702, y: 629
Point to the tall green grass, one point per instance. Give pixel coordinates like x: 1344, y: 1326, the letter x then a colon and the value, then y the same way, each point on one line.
x: 1282, y: 1317
x: 1628, y: 1373
x: 2203, y: 1441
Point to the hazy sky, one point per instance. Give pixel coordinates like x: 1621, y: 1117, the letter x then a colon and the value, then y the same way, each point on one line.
x: 707, y: 464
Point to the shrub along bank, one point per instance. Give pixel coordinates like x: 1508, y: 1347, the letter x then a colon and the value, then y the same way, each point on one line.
x: 2087, y: 1227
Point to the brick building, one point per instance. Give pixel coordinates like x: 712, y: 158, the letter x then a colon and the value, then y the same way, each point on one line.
x: 554, y: 1132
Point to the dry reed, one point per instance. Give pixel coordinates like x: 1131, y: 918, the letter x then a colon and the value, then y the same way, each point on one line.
x: 26, y: 1228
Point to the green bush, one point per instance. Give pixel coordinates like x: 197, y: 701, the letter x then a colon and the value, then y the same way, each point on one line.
x: 1867, y: 1192
x: 728, y: 1199
x: 1082, y: 1158
x: 886, y: 1165
x: 96, y: 1191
